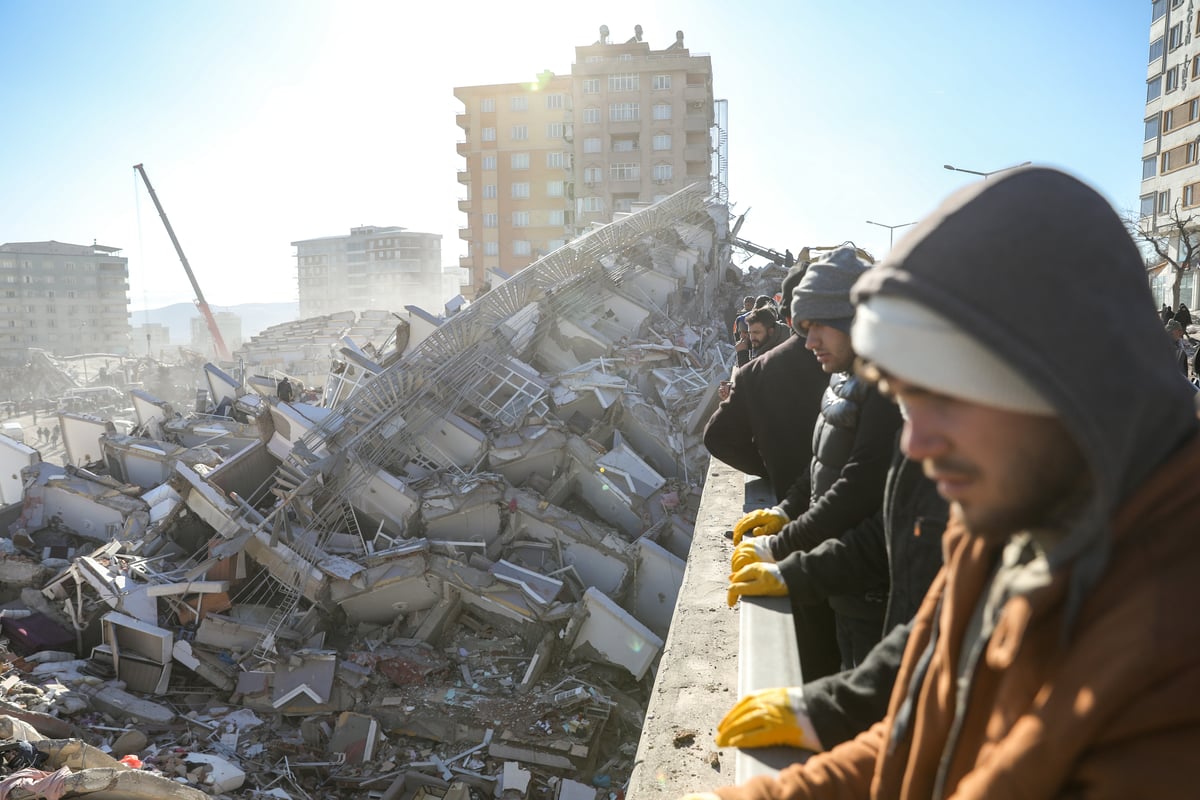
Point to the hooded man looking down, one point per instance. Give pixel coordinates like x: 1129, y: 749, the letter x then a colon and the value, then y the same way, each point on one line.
x: 1058, y: 651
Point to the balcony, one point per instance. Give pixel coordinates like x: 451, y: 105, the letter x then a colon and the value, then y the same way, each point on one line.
x: 463, y: 120
x: 696, y: 124
x: 696, y: 94
x: 464, y: 176
x: 464, y: 234
x: 696, y: 152
x: 464, y: 205
x: 463, y: 147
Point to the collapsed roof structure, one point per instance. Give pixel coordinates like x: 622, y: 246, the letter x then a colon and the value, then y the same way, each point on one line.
x: 474, y: 540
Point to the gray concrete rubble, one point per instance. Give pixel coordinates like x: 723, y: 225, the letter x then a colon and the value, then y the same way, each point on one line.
x: 447, y: 573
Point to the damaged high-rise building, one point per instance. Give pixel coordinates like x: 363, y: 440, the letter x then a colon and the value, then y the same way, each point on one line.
x: 455, y: 566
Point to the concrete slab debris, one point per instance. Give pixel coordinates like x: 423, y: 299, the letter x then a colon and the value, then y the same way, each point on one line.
x: 433, y: 554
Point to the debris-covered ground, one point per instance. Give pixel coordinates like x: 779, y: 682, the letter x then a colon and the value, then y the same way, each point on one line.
x: 448, y: 573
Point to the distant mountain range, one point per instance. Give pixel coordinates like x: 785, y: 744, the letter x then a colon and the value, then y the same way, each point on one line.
x: 255, y: 317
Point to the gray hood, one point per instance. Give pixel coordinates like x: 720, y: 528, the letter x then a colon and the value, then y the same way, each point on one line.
x: 1038, y: 267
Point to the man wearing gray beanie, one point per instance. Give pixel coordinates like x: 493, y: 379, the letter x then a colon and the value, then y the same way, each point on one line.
x: 853, y: 443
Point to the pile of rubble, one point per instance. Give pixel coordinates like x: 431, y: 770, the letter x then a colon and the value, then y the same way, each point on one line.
x: 451, y: 576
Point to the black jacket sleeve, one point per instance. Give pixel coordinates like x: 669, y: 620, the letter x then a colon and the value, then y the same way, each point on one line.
x: 858, y: 491
x: 844, y: 705
x: 853, y: 564
x: 728, y: 434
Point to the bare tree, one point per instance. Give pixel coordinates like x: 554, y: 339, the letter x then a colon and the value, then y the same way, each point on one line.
x: 1173, y: 240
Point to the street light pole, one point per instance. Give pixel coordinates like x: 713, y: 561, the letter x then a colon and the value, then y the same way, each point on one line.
x: 985, y: 175
x: 891, y: 230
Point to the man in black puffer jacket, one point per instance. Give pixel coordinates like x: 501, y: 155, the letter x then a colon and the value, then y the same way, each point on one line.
x: 852, y: 449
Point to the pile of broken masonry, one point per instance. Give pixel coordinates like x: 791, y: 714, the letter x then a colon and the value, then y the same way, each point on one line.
x: 451, y: 578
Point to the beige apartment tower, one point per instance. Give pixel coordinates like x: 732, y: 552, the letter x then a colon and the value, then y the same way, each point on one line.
x: 546, y: 159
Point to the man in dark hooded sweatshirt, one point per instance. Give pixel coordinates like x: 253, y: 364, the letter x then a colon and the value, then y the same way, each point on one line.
x: 764, y: 425
x: 1058, y: 651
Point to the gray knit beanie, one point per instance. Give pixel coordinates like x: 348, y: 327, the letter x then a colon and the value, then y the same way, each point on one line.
x: 823, y: 294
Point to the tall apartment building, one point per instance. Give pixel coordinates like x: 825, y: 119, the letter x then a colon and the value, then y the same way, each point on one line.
x: 1170, y: 161
x: 545, y: 159
x: 63, y: 298
x: 373, y: 268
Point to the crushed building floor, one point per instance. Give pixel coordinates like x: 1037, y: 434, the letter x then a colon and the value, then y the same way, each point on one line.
x: 450, y: 574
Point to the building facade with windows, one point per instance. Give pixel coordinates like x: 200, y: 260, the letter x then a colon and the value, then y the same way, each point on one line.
x: 66, y: 299
x: 1170, y: 187
x: 630, y: 124
x: 374, y: 268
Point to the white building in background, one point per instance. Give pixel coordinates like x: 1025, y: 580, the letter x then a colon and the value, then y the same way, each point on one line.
x: 63, y: 298
x: 228, y: 323
x: 149, y: 339
x: 1170, y: 157
x: 372, y: 268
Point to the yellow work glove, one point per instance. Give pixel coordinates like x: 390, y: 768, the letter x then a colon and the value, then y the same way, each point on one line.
x: 765, y: 718
x: 761, y: 522
x: 759, y: 580
x: 753, y: 550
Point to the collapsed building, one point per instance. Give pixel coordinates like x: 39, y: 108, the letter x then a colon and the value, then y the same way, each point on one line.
x: 453, y: 574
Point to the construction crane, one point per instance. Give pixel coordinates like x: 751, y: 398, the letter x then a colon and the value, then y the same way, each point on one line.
x: 785, y: 259
x: 201, y: 303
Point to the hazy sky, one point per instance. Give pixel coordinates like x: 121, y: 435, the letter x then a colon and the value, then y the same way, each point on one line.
x: 262, y: 122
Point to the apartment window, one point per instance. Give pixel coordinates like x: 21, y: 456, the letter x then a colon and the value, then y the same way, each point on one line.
x: 487, y: 105
x: 591, y: 116
x: 594, y: 59
x: 592, y: 204
x: 489, y: 134
x: 554, y: 188
x: 1156, y: 49
x: 1153, y: 89
x: 624, y: 112
x: 1189, y: 195
x: 521, y: 247
x: 554, y: 130
x: 491, y: 220
x: 518, y: 103
x: 624, y: 145
x: 662, y: 172
x: 591, y: 144
x: 1179, y: 157
x: 662, y: 141
x: 623, y: 82
x: 593, y: 175
x: 555, y: 160
x: 625, y: 57
x: 557, y: 218
x: 554, y: 244
x: 1164, y: 202
x: 520, y: 191
x: 1175, y: 36
x: 1172, y: 79
x: 1157, y: 10
x: 520, y: 160
x: 662, y: 111
x: 491, y: 248
x: 520, y: 219
x: 520, y: 133
x: 624, y: 172
x: 489, y: 191
x: 1195, y: 67
x: 489, y: 162
x: 1147, y: 207
x: 662, y: 82
x: 554, y: 101
x: 1148, y: 167
x: 591, y: 86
